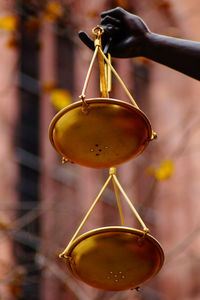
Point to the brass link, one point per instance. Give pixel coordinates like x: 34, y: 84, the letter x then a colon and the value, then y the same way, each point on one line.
x: 98, y: 31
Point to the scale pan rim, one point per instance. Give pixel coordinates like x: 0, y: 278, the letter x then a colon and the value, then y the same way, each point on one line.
x: 92, y: 101
x: 113, y: 229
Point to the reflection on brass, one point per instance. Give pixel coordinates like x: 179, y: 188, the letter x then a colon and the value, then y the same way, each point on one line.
x: 115, y: 258
x: 110, y: 133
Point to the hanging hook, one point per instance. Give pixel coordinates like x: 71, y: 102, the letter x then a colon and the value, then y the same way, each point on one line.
x: 98, y: 31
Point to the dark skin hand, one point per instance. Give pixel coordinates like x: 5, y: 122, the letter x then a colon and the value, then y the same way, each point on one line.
x: 126, y: 35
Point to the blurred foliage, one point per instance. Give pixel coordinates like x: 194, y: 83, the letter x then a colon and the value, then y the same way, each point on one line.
x: 60, y: 98
x: 8, y: 23
x: 53, y: 11
x: 164, y: 171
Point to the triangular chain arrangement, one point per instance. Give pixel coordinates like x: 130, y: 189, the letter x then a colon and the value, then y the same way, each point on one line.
x: 117, y: 187
x: 104, y: 69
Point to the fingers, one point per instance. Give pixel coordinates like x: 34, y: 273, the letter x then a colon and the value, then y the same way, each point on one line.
x: 86, y: 40
x: 106, y: 49
x: 110, y: 25
x: 117, y: 12
x: 110, y: 20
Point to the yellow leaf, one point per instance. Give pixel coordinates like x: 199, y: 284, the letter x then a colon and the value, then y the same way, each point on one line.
x: 32, y: 24
x: 4, y: 225
x: 142, y: 60
x: 93, y: 13
x: 60, y: 98
x: 8, y: 23
x: 15, y: 289
x: 53, y: 11
x: 121, y: 3
x: 163, y: 4
x: 163, y: 172
x: 48, y: 86
x: 12, y: 42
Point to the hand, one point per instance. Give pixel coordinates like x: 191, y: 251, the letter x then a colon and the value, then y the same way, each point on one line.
x: 127, y: 33
x: 128, y: 36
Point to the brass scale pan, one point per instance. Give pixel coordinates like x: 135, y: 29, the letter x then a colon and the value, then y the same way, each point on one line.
x: 106, y: 133
x: 109, y: 133
x: 114, y: 258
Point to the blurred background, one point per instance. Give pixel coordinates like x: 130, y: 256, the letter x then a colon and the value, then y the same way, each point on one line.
x: 43, y: 65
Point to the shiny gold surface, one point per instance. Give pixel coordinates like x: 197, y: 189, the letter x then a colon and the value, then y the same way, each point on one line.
x: 105, y: 133
x: 114, y: 258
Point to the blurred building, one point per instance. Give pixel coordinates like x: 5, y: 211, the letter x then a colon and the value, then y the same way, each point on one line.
x: 42, y: 202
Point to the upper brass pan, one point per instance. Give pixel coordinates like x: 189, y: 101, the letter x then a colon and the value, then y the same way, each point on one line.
x: 108, y: 134
x: 115, y: 258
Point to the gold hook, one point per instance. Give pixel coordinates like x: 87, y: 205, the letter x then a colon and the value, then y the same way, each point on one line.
x: 98, y: 31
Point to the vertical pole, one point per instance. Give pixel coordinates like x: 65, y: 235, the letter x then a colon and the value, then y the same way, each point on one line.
x: 118, y: 203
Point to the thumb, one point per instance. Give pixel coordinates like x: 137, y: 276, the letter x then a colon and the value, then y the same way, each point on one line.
x: 86, y: 40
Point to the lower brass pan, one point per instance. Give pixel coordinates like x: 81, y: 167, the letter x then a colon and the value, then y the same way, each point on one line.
x: 115, y: 258
x: 109, y: 133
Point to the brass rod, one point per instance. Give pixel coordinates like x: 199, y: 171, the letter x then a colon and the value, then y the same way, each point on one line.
x: 86, y: 216
x: 98, y: 31
x: 118, y: 202
x: 119, y: 79
x: 103, y: 81
x: 109, y: 74
x: 82, y: 96
x: 131, y: 205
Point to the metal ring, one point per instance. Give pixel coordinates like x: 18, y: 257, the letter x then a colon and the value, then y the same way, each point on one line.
x: 98, y: 30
